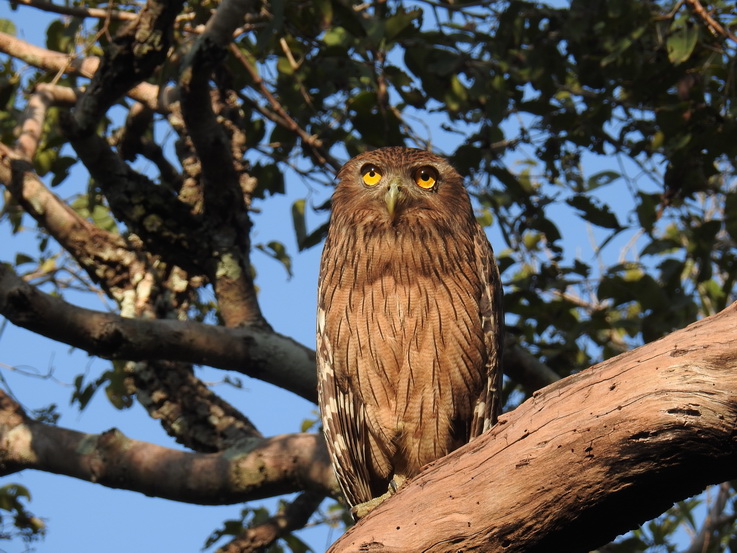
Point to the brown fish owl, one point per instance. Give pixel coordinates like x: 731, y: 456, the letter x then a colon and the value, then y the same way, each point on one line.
x: 409, y: 323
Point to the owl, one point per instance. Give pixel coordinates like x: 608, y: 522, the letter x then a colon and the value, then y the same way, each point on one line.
x: 409, y: 322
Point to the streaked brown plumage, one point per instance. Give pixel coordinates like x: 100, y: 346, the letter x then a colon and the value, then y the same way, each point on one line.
x: 409, y: 332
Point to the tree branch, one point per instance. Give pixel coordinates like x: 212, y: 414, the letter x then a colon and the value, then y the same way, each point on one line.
x: 293, y: 517
x: 255, y: 352
x: 57, y: 62
x: 258, y: 468
x: 225, y: 207
x: 258, y: 353
x: 525, y: 368
x: 592, y: 456
x: 106, y: 257
x: 79, y: 12
x: 702, y: 540
x: 280, y: 116
x: 132, y: 56
x: 153, y: 212
x: 712, y: 23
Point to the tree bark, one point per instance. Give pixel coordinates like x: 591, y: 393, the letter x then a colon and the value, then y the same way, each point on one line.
x: 257, y: 468
x: 581, y: 461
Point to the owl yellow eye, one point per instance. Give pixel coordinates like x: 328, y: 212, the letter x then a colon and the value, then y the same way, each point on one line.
x: 371, y: 175
x: 426, y: 177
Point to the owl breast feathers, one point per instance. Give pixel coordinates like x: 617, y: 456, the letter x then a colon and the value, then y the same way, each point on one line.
x: 409, y: 329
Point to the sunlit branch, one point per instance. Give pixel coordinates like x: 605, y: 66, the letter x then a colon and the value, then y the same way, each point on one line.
x: 79, y: 11
x: 257, y: 468
x: 59, y: 63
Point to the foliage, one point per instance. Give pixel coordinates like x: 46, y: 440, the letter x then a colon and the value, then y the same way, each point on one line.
x: 24, y: 525
x: 612, y: 118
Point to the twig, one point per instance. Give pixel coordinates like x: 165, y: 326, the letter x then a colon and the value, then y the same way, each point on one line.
x: 314, y: 143
x: 712, y: 23
x: 701, y: 541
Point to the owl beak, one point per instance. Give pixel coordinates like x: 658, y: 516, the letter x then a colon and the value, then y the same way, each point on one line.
x: 391, y: 197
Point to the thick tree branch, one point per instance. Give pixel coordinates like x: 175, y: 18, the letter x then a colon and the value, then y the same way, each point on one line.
x: 255, y: 352
x: 153, y: 212
x: 258, y: 468
x: 581, y: 461
x: 225, y: 207
x: 133, y: 55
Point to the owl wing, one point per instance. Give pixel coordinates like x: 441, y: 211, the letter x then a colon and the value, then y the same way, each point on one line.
x: 344, y: 423
x: 488, y: 406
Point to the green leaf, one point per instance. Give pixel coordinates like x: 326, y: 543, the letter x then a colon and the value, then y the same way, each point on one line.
x: 7, y: 27
x: 279, y: 252
x: 315, y: 237
x: 21, y: 258
x: 298, y: 220
x: 102, y: 217
x: 400, y: 22
x: 118, y: 390
x: 270, y: 178
x: 601, y: 178
x: 296, y: 545
x: 594, y: 212
x: 338, y: 37
x: 682, y: 40
x: 61, y: 168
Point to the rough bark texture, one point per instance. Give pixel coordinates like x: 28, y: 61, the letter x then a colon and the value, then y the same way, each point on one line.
x: 581, y: 461
x: 255, y: 469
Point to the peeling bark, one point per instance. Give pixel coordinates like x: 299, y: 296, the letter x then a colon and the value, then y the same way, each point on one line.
x: 581, y: 461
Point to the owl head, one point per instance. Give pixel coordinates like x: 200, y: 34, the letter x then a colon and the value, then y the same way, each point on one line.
x: 396, y: 185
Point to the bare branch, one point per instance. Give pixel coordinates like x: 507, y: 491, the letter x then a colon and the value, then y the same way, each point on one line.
x: 187, y: 408
x: 293, y: 517
x: 136, y: 138
x: 255, y: 352
x: 153, y: 212
x: 702, y: 540
x: 78, y: 11
x: 712, y: 23
x: 100, y: 253
x: 592, y: 456
x: 258, y: 468
x: 31, y: 126
x: 282, y: 118
x: 57, y: 62
x: 525, y: 368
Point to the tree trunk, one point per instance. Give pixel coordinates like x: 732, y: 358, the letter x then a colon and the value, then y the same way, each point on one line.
x: 581, y: 461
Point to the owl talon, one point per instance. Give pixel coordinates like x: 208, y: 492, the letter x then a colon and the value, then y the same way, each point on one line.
x: 362, y: 509
x: 396, y: 482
